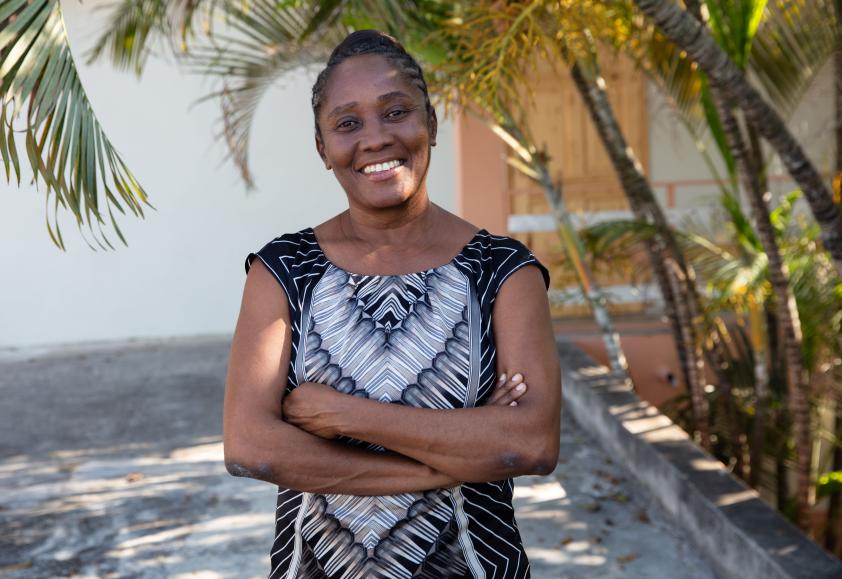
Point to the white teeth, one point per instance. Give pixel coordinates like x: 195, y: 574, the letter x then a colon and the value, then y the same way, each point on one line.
x: 377, y: 167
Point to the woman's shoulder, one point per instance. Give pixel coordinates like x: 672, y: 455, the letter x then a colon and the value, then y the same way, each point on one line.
x: 498, y: 248
x: 498, y: 256
x: 296, y: 244
x: 287, y: 250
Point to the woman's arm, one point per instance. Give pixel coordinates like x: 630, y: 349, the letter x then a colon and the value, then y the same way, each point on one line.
x: 472, y: 444
x: 258, y: 444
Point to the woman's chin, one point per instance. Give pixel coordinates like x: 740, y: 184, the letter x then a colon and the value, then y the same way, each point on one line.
x: 386, y: 199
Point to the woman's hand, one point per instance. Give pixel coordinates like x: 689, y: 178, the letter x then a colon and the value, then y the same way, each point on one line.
x: 315, y: 408
x: 507, y: 391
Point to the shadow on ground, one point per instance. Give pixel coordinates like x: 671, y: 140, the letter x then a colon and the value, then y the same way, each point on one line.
x: 111, y: 466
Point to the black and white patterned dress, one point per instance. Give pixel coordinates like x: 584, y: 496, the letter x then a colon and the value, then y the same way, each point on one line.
x: 423, y: 339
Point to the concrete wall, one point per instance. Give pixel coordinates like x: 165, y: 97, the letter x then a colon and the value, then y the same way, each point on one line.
x: 725, y: 519
x: 182, y: 273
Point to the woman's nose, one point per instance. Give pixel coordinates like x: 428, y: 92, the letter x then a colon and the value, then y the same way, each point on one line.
x: 375, y: 136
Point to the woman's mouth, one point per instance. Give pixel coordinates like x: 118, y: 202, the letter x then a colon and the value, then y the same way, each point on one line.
x: 381, y: 171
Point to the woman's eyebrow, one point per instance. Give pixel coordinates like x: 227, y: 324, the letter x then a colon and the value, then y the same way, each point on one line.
x: 382, y: 98
x: 341, y: 109
x: 391, y: 95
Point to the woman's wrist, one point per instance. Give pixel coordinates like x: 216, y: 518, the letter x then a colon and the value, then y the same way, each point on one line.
x: 348, y: 413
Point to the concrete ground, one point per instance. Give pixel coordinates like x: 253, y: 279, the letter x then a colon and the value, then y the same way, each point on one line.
x: 111, y: 466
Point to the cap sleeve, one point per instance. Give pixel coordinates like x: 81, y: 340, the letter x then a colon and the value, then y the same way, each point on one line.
x: 509, y: 255
x: 278, y: 256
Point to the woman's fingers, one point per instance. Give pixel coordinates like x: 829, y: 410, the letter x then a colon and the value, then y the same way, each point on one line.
x: 508, y: 391
x: 504, y: 385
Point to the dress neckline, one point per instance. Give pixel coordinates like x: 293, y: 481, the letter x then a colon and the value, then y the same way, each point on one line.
x: 312, y: 234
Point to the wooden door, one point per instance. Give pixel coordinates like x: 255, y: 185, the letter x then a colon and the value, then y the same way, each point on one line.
x: 560, y: 122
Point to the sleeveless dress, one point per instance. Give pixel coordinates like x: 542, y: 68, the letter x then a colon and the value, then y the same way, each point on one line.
x: 423, y: 339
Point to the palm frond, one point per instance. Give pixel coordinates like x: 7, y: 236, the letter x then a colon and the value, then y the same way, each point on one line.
x: 794, y: 40
x: 133, y: 25
x: 496, y: 48
x: 782, y: 43
x: 64, y: 142
x: 260, y: 43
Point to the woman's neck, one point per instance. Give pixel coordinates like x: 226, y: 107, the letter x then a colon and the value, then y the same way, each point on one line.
x: 399, y: 226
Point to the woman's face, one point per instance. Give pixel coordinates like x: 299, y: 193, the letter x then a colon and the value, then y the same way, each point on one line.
x: 376, y: 134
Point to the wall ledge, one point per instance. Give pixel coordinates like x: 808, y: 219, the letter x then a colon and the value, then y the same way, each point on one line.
x: 729, y: 523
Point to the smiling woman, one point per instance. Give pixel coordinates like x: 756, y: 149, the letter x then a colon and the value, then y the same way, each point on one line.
x: 378, y: 373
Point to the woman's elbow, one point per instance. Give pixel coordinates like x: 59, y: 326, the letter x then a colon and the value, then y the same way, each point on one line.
x: 239, y: 464
x: 546, y: 462
x: 543, y: 456
x: 540, y: 459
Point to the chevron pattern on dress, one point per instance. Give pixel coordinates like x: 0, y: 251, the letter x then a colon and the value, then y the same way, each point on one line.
x: 402, y: 339
x: 500, y: 542
x: 409, y: 535
x: 379, y: 334
x: 287, y: 509
x: 447, y: 559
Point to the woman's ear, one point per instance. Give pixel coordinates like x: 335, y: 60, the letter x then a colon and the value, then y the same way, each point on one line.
x: 320, y: 149
x: 434, y: 126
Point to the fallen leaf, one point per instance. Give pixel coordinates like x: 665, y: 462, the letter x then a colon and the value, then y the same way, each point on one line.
x: 15, y: 566
x: 619, y: 497
x: 592, y: 507
x: 627, y: 558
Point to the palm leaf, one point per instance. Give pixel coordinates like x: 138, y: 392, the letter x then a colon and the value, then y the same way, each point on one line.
x: 260, y: 44
x: 794, y: 40
x: 782, y: 43
x: 133, y: 25
x: 64, y: 142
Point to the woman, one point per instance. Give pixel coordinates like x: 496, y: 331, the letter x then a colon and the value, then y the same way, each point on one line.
x: 366, y: 387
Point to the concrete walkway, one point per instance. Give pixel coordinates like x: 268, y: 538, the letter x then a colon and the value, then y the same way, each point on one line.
x: 111, y: 466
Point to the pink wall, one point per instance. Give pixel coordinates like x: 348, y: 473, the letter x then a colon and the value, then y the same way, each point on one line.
x: 481, y: 175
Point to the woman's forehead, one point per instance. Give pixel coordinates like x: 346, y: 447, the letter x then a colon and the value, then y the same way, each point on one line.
x: 364, y: 78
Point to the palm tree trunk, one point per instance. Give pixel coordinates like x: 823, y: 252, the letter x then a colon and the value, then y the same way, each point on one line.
x: 831, y: 536
x: 692, y: 36
x: 685, y: 306
x: 575, y: 252
x: 735, y: 442
x: 760, y: 346
x: 834, y: 507
x: 748, y: 169
x: 787, y: 313
x: 781, y: 459
x: 535, y: 167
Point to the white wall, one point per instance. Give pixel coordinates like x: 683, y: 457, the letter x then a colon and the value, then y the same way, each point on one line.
x: 674, y: 155
x: 182, y: 273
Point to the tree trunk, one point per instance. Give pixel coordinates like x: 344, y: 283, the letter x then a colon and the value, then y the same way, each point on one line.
x: 760, y: 345
x: 787, y: 313
x: 692, y: 36
x: 685, y: 306
x: 781, y: 459
x: 831, y: 537
x: 834, y: 507
x: 736, y: 442
x: 576, y: 254
x: 536, y: 168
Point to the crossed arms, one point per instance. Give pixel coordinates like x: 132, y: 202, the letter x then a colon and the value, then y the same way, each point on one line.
x: 288, y: 440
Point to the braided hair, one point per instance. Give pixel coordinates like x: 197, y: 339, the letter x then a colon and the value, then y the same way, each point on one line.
x: 370, y: 42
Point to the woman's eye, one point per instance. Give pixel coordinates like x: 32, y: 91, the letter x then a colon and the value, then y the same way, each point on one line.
x: 396, y: 114
x: 346, y: 124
